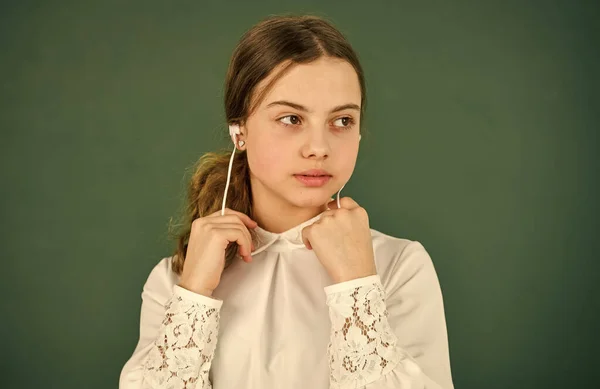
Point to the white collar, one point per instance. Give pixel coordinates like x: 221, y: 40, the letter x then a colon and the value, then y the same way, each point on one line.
x: 284, y: 241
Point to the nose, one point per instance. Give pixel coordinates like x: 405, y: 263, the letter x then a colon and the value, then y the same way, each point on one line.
x: 316, y: 145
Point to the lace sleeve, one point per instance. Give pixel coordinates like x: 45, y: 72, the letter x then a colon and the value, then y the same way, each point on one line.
x: 183, y: 350
x: 391, y: 336
x: 363, y: 346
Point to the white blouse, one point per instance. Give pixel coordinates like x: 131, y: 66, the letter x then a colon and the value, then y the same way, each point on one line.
x: 270, y: 326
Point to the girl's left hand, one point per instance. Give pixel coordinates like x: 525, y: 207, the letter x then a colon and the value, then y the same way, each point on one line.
x: 341, y: 239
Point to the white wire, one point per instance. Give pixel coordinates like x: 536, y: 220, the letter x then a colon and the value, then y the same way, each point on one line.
x: 228, y: 177
x: 338, y: 196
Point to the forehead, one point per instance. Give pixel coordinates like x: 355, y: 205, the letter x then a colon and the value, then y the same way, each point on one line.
x: 318, y: 85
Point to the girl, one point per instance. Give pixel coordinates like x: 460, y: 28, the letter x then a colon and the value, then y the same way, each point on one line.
x: 281, y: 287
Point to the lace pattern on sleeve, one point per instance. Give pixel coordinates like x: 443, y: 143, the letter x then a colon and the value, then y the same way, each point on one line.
x: 183, y: 350
x: 362, y: 346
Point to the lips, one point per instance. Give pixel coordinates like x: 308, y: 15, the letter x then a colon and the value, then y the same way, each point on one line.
x: 313, y: 178
x: 314, y: 173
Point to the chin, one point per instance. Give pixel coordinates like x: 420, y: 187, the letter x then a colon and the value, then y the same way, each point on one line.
x: 311, y: 198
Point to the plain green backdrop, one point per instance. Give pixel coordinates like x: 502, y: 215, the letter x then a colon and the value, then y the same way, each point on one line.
x: 482, y: 143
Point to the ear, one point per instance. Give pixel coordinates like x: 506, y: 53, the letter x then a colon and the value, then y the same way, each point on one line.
x: 243, y: 132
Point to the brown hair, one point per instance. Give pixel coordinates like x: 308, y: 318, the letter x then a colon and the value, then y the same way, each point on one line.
x: 277, y: 40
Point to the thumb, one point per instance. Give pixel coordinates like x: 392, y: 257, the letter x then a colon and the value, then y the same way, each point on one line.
x: 305, y: 240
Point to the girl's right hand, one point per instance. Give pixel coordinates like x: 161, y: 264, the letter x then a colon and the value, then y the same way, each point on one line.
x: 205, y: 256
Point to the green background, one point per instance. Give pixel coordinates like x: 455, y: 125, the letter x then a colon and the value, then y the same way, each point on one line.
x: 482, y: 144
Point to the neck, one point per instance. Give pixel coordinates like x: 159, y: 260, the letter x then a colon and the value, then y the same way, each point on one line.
x: 274, y: 214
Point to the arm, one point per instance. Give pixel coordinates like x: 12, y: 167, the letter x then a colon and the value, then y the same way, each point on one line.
x: 393, y: 341
x: 178, y: 335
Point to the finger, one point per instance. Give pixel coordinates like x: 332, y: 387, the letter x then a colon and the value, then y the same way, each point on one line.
x: 327, y: 213
x: 245, y: 258
x: 345, y: 202
x: 242, y: 216
x: 238, y: 226
x: 305, y: 239
x: 236, y: 235
x: 237, y: 220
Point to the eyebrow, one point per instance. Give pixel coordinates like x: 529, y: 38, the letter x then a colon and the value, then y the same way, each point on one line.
x: 304, y: 109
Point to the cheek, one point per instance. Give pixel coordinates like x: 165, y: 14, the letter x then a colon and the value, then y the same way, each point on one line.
x: 347, y: 159
x: 268, y: 160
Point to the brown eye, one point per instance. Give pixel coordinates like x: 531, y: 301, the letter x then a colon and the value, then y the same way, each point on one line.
x: 293, y: 120
x: 345, y: 122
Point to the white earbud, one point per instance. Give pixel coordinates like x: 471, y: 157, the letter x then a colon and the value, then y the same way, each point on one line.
x: 234, y: 130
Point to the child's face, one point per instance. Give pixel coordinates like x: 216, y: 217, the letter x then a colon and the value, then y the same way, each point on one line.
x: 283, y: 141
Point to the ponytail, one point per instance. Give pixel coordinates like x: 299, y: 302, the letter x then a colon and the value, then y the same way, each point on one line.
x: 205, y: 196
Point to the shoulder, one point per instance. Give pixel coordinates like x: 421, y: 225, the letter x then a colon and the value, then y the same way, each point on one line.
x: 400, y: 259
x: 161, y: 280
x: 388, y: 247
